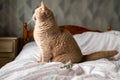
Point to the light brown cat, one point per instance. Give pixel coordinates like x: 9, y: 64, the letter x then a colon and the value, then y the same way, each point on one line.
x: 58, y: 44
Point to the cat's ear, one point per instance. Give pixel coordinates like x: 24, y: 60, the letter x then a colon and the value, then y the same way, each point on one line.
x: 43, y: 6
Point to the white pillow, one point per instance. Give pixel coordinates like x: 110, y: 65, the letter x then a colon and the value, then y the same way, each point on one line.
x: 93, y: 41
x: 29, y: 51
x: 114, y: 32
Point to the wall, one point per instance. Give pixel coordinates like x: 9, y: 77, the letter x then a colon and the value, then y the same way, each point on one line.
x: 92, y: 14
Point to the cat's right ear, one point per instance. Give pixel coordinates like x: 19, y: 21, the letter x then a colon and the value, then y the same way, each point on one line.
x: 43, y: 7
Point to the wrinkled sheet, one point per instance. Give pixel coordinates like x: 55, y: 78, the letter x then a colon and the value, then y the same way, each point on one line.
x: 101, y: 69
x: 25, y: 66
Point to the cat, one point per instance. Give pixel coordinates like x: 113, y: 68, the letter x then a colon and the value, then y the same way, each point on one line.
x: 58, y: 45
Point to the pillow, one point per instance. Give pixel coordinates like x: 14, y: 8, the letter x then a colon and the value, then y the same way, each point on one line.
x: 91, y: 42
x: 116, y: 33
x: 29, y: 51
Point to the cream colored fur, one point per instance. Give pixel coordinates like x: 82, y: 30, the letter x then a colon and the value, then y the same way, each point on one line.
x: 55, y: 44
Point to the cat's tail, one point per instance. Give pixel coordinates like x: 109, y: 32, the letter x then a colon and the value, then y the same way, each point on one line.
x: 99, y: 55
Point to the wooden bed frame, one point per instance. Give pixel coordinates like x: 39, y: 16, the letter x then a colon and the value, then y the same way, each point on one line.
x: 28, y: 34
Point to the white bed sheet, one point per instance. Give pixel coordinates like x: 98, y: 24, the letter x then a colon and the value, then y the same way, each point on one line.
x: 25, y: 67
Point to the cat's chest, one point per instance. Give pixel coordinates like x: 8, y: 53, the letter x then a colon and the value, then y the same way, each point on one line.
x: 45, y: 37
x: 42, y: 36
x: 49, y: 34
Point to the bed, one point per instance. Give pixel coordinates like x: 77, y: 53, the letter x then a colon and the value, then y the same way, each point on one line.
x: 26, y: 67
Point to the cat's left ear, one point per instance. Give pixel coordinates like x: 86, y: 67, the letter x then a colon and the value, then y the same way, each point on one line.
x: 43, y: 6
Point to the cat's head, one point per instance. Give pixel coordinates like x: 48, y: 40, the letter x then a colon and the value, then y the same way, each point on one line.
x: 42, y: 13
